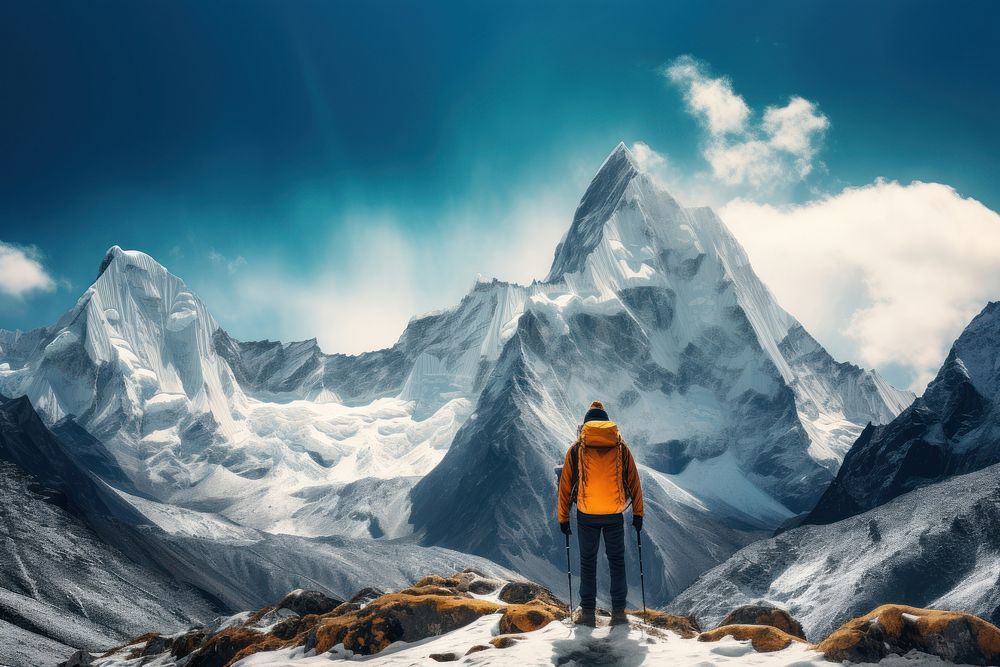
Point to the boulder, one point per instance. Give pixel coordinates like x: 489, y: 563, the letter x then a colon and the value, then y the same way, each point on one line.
x: 484, y: 586
x: 505, y: 641
x: 308, y: 602
x: 763, y: 638
x: 950, y: 635
x: 397, y: 617
x: 521, y: 592
x: 444, y: 657
x: 686, y: 626
x: 477, y: 648
x: 230, y: 645
x: 764, y: 614
x: 529, y: 617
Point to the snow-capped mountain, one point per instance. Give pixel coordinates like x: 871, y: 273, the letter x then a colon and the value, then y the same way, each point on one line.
x: 143, y: 365
x: 952, y: 429
x: 738, y: 417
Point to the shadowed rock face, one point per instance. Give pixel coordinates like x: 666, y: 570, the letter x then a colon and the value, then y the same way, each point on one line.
x: 950, y: 430
x: 953, y: 636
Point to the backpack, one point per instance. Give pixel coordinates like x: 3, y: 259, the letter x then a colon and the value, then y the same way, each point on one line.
x: 605, y: 433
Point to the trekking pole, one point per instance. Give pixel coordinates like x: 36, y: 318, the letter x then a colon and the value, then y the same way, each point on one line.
x: 642, y: 580
x: 569, y: 575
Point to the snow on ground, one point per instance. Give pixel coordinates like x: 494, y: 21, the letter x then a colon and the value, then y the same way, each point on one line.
x: 558, y: 644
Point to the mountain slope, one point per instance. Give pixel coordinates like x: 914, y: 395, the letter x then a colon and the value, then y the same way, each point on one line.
x: 937, y: 547
x: 61, y: 584
x: 952, y: 429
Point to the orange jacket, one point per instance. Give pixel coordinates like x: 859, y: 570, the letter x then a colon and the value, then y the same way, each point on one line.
x: 600, y: 469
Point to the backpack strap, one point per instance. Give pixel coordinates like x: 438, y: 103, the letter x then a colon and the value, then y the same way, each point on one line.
x: 623, y: 471
x: 574, y: 471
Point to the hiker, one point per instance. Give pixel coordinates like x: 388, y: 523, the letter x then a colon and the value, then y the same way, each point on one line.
x: 600, y: 476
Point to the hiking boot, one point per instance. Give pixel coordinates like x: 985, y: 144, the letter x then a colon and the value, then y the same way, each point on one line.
x: 618, y: 617
x: 585, y: 617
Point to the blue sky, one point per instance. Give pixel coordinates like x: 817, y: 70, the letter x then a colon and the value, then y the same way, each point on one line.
x: 332, y: 148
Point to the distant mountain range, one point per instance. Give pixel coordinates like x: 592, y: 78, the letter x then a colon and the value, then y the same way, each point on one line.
x: 738, y: 417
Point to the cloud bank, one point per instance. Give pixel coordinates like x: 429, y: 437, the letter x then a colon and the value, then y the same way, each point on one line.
x: 885, y: 275
x: 21, y: 271
x: 379, y: 275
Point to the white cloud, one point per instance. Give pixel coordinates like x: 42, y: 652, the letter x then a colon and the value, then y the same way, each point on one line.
x: 646, y: 157
x: 230, y: 265
x: 779, y: 148
x: 885, y: 275
x: 710, y: 99
x: 379, y: 276
x: 21, y: 271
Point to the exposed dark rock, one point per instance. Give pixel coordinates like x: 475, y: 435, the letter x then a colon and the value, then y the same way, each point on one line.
x: 521, y: 592
x: 764, y: 614
x: 309, y: 602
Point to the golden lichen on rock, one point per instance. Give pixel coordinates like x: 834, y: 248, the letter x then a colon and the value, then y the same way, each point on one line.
x: 505, y: 641
x: 398, y: 617
x: 764, y: 614
x: 763, y: 638
x: 529, y: 617
x: 686, y: 626
x: 951, y: 635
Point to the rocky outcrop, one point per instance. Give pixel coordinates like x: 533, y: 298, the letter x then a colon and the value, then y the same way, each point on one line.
x: 763, y: 638
x: 952, y: 636
x: 764, y: 614
x: 397, y: 617
x: 435, y: 605
x: 363, y: 625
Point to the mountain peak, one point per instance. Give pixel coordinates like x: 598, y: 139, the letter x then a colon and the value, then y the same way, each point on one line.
x: 109, y: 256
x: 620, y: 162
x: 596, y: 206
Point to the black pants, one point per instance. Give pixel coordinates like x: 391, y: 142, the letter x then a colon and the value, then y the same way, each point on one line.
x: 589, y: 528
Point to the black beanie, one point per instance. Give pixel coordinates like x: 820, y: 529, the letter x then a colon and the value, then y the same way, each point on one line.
x: 596, y: 413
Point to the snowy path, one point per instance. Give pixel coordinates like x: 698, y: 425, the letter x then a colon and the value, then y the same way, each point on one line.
x: 561, y: 644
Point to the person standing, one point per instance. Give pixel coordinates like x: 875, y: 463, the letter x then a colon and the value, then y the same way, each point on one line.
x: 600, y: 476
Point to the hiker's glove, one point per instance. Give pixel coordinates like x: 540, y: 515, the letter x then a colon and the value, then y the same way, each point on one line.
x: 564, y: 527
x: 637, y: 523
